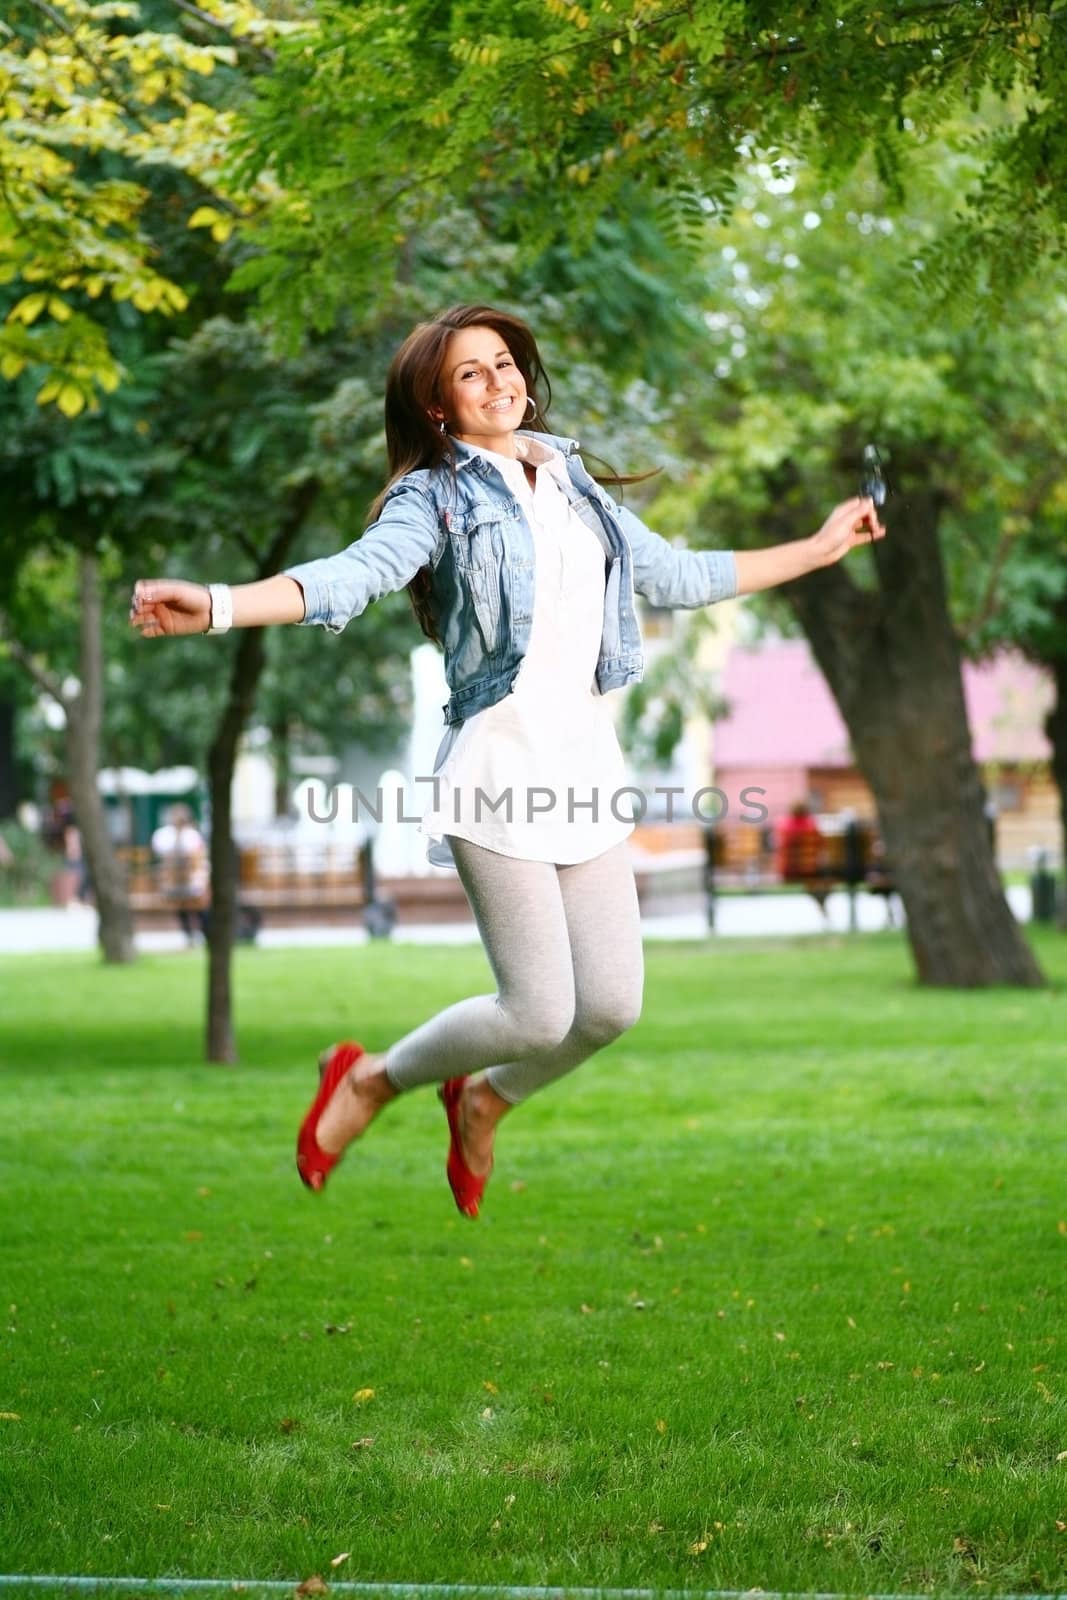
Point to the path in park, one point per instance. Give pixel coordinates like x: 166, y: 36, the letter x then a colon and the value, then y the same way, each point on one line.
x: 757, y: 915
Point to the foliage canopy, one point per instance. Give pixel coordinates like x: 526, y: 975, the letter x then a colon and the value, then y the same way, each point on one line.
x: 100, y: 116
x: 539, y: 116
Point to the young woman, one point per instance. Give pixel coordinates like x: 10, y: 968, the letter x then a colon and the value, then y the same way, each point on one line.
x: 524, y: 571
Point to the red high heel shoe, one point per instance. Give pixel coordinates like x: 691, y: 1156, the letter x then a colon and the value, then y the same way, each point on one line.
x: 314, y: 1164
x: 467, y: 1188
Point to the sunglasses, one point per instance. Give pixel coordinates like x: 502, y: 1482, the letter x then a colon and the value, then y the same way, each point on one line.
x: 873, y: 483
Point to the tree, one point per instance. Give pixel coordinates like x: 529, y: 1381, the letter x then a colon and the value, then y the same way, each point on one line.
x: 813, y: 352
x: 98, y: 106
x: 62, y: 492
x: 255, y: 458
x: 95, y: 101
x: 539, y: 116
x: 1025, y: 597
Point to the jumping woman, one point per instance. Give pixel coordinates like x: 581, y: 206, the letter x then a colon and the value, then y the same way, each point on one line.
x: 524, y: 571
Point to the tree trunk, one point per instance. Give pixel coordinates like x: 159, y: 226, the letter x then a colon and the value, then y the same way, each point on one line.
x: 9, y: 794
x: 84, y: 712
x: 281, y: 750
x: 892, y: 661
x: 222, y: 758
x: 220, y: 1042
x: 1056, y: 729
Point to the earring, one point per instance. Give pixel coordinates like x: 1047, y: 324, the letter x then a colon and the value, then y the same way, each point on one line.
x: 532, y: 403
x: 442, y: 426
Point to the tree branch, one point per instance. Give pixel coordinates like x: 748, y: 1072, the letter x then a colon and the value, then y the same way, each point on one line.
x: 42, y: 677
x: 1030, y: 507
x: 269, y: 55
x: 301, y: 500
x: 117, y: 88
x: 249, y: 547
x: 104, y: 73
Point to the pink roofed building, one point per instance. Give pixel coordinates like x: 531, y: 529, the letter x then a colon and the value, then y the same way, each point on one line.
x: 784, y: 734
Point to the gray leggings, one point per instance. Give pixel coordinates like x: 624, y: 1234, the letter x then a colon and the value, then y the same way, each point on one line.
x: 564, y: 944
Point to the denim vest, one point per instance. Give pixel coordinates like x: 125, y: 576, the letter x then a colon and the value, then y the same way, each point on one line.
x: 469, y: 530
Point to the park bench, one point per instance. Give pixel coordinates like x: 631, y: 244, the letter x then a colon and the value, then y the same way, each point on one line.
x: 745, y: 856
x: 287, y: 887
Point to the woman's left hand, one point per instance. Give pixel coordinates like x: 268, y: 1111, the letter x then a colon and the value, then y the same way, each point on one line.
x: 852, y: 523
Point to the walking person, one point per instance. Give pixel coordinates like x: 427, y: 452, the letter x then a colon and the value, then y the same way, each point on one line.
x: 524, y: 570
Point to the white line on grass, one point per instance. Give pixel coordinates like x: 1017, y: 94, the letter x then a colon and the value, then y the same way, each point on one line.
x: 436, y: 1591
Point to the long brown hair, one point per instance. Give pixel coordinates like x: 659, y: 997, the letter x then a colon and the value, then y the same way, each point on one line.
x: 413, y: 390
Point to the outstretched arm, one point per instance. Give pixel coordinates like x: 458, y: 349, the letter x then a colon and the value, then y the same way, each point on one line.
x: 172, y: 606
x: 852, y: 523
x: 329, y: 591
x: 681, y: 578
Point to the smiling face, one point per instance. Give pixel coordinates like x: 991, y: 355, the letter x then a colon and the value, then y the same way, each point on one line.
x: 483, y: 393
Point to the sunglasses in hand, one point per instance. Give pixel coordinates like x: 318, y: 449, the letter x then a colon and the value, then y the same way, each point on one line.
x: 873, y: 483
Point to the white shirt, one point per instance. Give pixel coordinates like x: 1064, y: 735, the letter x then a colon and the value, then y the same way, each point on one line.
x: 184, y: 855
x: 538, y: 775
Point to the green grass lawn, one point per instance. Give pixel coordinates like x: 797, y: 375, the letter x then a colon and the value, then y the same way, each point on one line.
x: 769, y: 1293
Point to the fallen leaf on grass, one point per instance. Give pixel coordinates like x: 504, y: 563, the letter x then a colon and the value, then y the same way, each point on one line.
x: 312, y: 1585
x: 338, y: 1560
x: 698, y: 1547
x: 1062, y: 1456
x: 361, y: 1396
x: 489, y: 1386
x: 192, y: 1234
x: 518, y: 1186
x: 661, y: 1426
x: 288, y: 1425
x: 10, y: 1416
x: 1061, y: 1227
x: 364, y: 1443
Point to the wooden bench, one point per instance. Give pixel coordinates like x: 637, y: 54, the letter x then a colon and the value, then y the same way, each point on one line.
x: 746, y: 857
x: 275, y: 885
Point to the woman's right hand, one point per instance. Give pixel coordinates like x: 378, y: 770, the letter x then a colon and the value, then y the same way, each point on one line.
x: 169, y: 605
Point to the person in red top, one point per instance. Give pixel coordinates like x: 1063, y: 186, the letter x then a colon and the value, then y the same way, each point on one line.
x: 798, y: 846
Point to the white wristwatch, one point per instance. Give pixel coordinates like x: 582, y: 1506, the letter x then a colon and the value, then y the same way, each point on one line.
x: 221, y: 607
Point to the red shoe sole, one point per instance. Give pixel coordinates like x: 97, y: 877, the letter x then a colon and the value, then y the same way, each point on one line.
x: 467, y: 1188
x: 313, y: 1163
